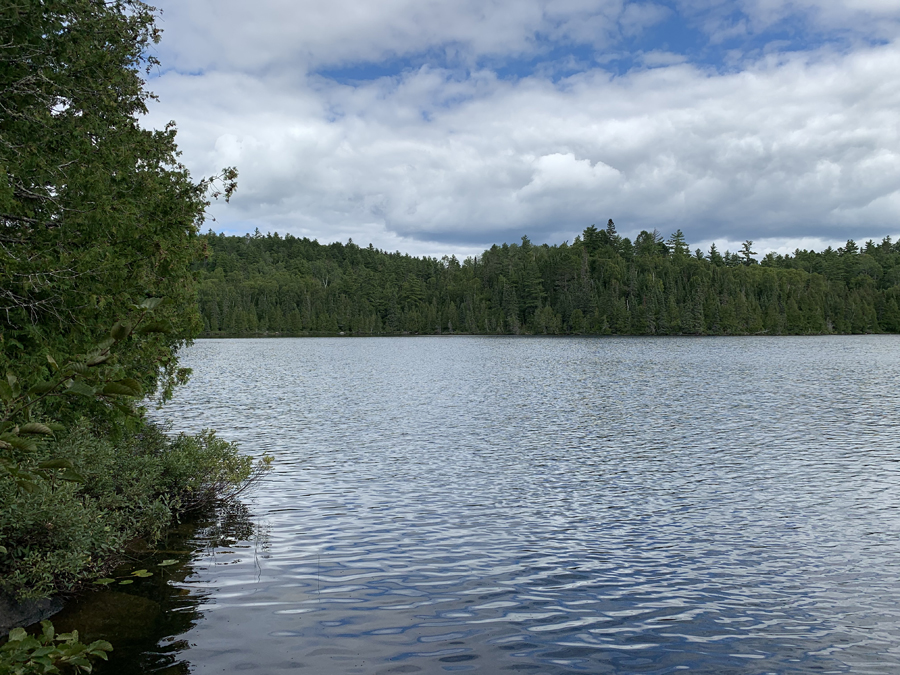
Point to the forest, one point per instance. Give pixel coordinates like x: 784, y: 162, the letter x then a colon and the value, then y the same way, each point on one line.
x: 602, y: 283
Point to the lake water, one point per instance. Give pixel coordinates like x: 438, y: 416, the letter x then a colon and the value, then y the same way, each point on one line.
x: 546, y: 505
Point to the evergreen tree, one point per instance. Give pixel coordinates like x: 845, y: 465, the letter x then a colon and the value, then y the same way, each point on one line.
x: 278, y: 284
x: 747, y: 254
x: 97, y: 213
x: 677, y: 244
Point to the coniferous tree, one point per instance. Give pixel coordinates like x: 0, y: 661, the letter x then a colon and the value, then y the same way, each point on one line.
x: 599, y: 284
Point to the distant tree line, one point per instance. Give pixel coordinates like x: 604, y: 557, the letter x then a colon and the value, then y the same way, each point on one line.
x: 603, y: 283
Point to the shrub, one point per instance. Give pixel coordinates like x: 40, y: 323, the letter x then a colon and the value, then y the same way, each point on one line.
x: 62, y: 533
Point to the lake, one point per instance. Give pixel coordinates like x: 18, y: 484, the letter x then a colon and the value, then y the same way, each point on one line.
x: 543, y: 505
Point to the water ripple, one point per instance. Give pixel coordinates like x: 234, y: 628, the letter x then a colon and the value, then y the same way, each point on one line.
x: 555, y: 505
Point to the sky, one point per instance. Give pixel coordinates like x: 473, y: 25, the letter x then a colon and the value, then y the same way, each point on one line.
x: 438, y: 127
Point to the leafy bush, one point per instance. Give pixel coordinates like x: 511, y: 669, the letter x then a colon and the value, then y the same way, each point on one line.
x: 61, y: 533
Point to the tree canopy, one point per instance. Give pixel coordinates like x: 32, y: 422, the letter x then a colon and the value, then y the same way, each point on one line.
x: 98, y: 241
x: 96, y: 212
x: 601, y: 283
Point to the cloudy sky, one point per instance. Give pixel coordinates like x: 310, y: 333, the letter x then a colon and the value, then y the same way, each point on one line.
x: 443, y: 126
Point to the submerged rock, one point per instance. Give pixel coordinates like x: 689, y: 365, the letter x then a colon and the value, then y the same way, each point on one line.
x: 109, y: 615
x: 13, y: 614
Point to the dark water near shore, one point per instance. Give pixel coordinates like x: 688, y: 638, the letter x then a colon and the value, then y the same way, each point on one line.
x: 530, y: 505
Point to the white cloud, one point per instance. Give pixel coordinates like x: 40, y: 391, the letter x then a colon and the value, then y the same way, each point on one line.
x: 660, y: 58
x: 285, y: 34
x: 433, y: 160
x: 724, y: 19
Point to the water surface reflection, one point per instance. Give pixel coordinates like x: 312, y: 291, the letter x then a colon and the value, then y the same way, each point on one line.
x: 149, y: 618
x: 551, y: 506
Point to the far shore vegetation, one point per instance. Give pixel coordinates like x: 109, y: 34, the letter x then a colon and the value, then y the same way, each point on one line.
x: 602, y: 283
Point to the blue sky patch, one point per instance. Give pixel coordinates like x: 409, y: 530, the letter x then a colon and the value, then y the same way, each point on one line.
x: 723, y: 41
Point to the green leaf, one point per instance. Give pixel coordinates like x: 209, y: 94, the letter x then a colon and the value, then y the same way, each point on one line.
x: 17, y: 635
x: 126, y: 582
x: 35, y: 428
x: 3, y: 550
x: 117, y: 389
x: 166, y: 563
x: 142, y: 574
x: 78, y: 368
x: 97, y: 358
x: 71, y: 476
x: 105, y: 582
x: 56, y: 464
x: 154, y: 327
x: 42, y: 388
x: 20, y: 443
x: 48, y: 630
x: 53, y: 364
x: 132, y: 384
x: 56, y: 426
x: 151, y: 303
x: 120, y: 331
x: 28, y: 486
x: 122, y: 407
x: 81, y: 389
x: 6, y: 392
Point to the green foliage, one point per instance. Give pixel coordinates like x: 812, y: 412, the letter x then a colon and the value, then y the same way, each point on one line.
x: 98, y: 223
x: 47, y: 653
x: 602, y: 283
x: 97, y: 213
x: 95, y: 375
x: 63, y: 533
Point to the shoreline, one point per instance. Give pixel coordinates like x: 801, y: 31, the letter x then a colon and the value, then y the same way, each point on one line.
x: 281, y: 334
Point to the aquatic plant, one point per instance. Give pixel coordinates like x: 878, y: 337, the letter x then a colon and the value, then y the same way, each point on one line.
x: 47, y: 652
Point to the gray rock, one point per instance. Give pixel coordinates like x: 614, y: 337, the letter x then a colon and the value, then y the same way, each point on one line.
x: 14, y: 614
